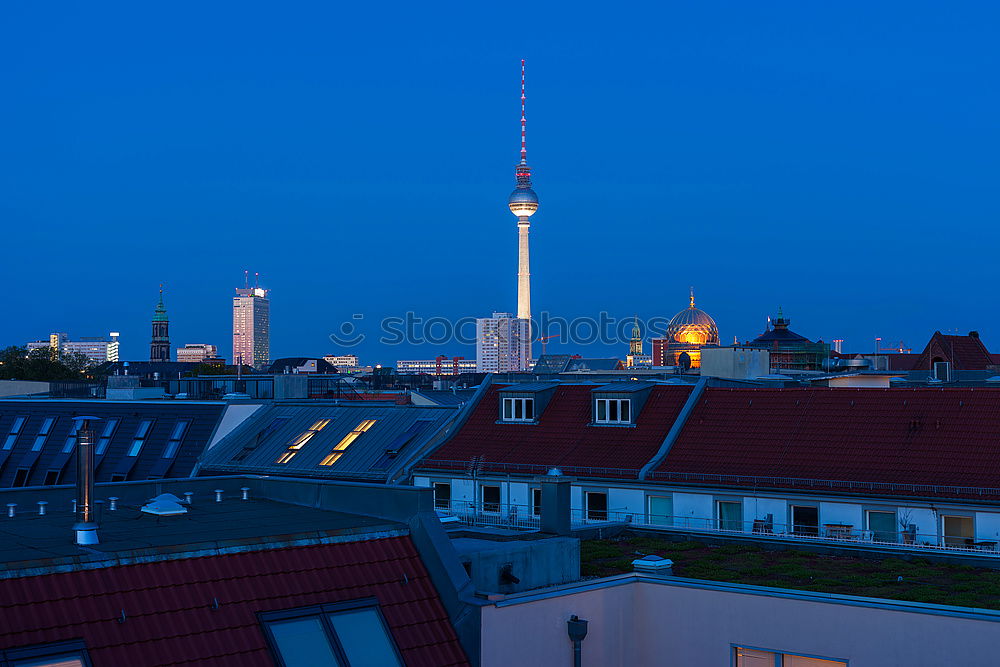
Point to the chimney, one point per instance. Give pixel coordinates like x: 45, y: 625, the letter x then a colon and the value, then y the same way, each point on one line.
x: 85, y: 526
x: 555, y: 502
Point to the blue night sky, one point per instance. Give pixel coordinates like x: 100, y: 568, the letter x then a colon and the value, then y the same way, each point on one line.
x: 838, y: 159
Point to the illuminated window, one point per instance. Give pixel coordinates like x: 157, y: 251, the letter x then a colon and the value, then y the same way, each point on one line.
x: 15, y: 430
x: 752, y: 657
x: 352, y: 633
x: 300, y: 440
x: 518, y: 409
x: 338, y: 449
x: 614, y: 411
x: 43, y: 433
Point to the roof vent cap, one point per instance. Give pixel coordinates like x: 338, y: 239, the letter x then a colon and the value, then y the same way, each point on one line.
x: 165, y: 504
x: 653, y: 564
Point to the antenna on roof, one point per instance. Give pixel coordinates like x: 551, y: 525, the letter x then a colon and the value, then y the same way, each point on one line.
x: 246, y: 279
x: 256, y: 279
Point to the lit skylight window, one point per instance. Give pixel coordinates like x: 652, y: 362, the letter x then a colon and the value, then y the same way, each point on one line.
x: 140, y: 437
x: 339, y: 448
x: 15, y: 430
x: 43, y: 433
x: 300, y: 440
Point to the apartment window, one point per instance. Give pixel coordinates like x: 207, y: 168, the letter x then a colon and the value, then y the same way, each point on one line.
x: 139, y: 439
x: 442, y: 495
x: 614, y: 411
x: 106, y: 435
x: 176, y: 437
x: 352, y: 634
x: 15, y: 430
x: 43, y: 433
x: 882, y: 526
x: 597, y: 506
x: 518, y: 409
x: 491, y: 498
x: 958, y: 531
x: 730, y: 515
x: 340, y: 447
x: 805, y: 520
x: 661, y: 510
x: 299, y: 441
x: 536, y: 502
x: 752, y: 657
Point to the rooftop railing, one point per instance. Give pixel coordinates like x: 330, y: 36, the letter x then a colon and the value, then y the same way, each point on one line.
x: 757, y: 481
x: 523, y: 517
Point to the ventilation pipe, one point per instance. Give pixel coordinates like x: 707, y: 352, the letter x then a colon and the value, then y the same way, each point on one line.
x: 577, y: 629
x: 85, y: 526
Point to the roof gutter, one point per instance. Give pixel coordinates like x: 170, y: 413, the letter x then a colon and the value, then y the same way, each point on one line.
x: 675, y: 430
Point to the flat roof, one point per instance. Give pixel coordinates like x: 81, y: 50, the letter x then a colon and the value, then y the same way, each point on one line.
x: 34, y: 544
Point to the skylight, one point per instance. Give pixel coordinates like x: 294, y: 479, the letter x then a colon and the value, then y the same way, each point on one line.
x: 300, y: 440
x: 339, y: 448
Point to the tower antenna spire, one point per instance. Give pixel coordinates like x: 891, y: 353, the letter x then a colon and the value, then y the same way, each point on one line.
x: 524, y: 142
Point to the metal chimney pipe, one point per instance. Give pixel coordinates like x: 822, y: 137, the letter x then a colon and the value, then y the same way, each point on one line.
x: 85, y: 526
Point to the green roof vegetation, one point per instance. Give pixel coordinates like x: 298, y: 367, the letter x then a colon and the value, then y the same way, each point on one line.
x: 917, y: 580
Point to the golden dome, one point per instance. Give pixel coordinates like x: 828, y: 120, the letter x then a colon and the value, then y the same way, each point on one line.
x: 693, y: 326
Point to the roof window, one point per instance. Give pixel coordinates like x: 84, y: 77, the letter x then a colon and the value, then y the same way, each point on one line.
x: 300, y: 441
x: 338, y: 449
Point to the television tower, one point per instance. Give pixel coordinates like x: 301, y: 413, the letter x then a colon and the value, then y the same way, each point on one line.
x: 523, y: 203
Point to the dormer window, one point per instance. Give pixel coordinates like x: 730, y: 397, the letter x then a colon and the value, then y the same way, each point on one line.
x: 518, y: 409
x: 614, y: 411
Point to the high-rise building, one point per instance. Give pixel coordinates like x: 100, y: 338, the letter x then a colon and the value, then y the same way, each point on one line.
x: 252, y: 327
x: 159, y: 347
x: 503, y: 344
x: 98, y: 349
x: 197, y: 352
x: 523, y: 203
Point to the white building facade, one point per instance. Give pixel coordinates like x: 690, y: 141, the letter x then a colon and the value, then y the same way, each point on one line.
x: 98, y: 349
x: 197, y: 352
x: 503, y: 344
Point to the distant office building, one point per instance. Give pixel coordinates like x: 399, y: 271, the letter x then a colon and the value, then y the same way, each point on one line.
x: 97, y: 349
x: 197, y: 352
x: 503, y: 344
x: 440, y: 365
x: 342, y: 361
x: 252, y: 327
x: 159, y: 346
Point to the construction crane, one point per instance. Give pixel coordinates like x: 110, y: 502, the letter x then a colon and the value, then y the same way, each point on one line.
x: 543, y: 339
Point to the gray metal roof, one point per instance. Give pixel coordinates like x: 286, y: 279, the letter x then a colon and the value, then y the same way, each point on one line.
x: 625, y: 386
x: 531, y: 386
x: 255, y: 445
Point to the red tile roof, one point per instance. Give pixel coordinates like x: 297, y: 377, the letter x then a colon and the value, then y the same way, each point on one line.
x: 891, y: 436
x: 169, y: 619
x: 563, y: 436
x: 966, y: 353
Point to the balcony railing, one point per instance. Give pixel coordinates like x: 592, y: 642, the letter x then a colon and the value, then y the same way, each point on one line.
x: 522, y: 517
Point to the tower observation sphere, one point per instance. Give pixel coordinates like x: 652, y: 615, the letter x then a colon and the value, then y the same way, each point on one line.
x: 523, y: 202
